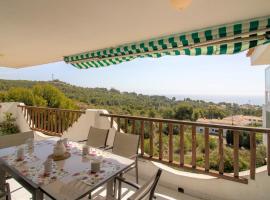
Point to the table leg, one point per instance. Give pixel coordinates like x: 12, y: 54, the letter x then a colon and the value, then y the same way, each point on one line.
x: 110, y: 191
x: 2, y: 178
x: 37, y: 195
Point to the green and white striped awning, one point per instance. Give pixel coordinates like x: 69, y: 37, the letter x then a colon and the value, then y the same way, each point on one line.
x: 224, y: 39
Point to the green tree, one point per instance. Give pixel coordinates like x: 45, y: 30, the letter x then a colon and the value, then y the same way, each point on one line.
x: 168, y: 113
x: 21, y: 95
x: 54, y: 97
x: 3, y: 96
x: 151, y: 114
x: 229, y: 137
x: 214, y: 112
x: 184, y: 112
x: 244, y: 139
x: 39, y: 101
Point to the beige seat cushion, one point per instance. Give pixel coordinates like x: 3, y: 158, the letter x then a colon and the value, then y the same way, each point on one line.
x: 125, y: 144
x: 15, y: 139
x: 97, y: 137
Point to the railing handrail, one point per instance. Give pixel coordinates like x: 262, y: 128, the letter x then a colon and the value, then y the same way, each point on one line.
x: 51, y: 121
x: 190, y: 123
x: 60, y: 109
x: 169, y: 159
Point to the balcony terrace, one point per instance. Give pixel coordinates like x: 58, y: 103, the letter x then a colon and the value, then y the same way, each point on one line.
x: 179, y: 178
x: 94, y: 34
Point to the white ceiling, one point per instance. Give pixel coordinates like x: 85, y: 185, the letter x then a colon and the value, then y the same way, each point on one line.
x: 36, y: 32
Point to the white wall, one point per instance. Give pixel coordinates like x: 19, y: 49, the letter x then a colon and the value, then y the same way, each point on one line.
x: 80, y: 129
x: 77, y: 132
x: 16, y: 112
x: 266, y: 120
x: 207, y: 187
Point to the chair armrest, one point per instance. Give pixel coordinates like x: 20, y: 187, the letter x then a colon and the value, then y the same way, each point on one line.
x: 80, y: 141
x: 134, y: 156
x: 102, y: 147
x: 108, y: 148
x: 121, y: 179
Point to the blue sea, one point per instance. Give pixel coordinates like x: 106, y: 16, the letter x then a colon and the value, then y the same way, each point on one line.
x: 252, y: 100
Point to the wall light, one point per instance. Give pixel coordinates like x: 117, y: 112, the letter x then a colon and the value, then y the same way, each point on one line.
x: 180, y: 4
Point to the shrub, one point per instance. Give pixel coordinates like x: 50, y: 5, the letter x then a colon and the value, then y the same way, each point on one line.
x: 54, y: 97
x: 244, y: 139
x: 228, y: 160
x: 260, y: 155
x: 184, y: 112
x: 8, y: 126
x: 21, y: 95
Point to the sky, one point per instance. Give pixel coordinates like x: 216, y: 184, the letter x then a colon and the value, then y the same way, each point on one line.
x: 170, y: 75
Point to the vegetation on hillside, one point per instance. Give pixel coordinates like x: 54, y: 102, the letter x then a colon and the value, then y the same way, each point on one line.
x: 117, y: 102
x: 58, y: 94
x: 38, y: 95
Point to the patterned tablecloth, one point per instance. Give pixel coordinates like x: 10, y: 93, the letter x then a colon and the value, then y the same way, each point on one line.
x: 33, y: 169
x: 108, y: 168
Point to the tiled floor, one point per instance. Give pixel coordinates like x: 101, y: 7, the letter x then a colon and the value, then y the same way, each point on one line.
x: 162, y: 193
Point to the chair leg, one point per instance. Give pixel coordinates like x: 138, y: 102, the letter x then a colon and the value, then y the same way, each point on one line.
x: 137, y: 171
x: 8, y: 197
x: 119, y: 189
x: 114, y: 188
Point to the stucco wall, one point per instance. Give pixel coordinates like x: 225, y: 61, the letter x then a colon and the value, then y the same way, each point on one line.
x: 16, y: 112
x: 80, y: 129
x: 266, y: 120
x: 207, y: 187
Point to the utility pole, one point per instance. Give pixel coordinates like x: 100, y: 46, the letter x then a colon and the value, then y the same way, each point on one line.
x: 232, y: 113
x: 52, y: 77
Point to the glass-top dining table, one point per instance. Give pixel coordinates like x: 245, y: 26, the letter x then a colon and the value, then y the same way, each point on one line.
x: 69, y: 179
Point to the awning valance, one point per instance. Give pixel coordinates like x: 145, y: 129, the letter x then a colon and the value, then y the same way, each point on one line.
x: 224, y: 39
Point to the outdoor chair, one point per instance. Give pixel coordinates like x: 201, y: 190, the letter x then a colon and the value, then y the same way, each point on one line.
x: 127, y: 145
x: 97, y: 137
x: 5, y: 195
x: 15, y: 139
x: 145, y: 192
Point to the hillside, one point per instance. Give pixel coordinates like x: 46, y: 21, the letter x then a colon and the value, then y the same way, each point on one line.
x: 137, y: 104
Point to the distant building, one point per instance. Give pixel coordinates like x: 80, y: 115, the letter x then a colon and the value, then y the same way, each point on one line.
x: 266, y: 106
x: 237, y: 120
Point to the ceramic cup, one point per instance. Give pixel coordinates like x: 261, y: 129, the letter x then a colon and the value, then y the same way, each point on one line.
x: 20, y: 153
x: 48, y: 166
x: 85, y: 150
x: 30, y: 143
x: 95, y: 166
